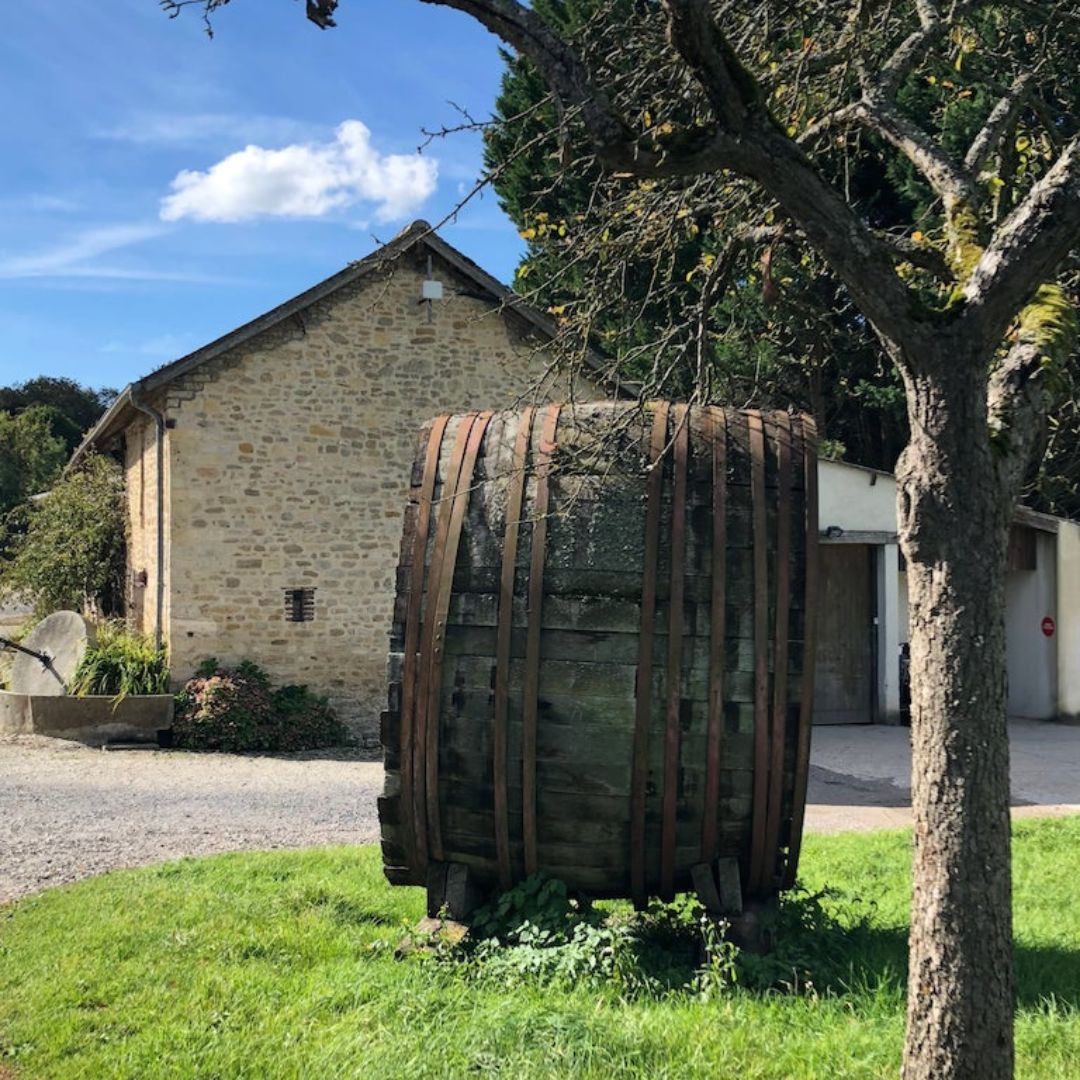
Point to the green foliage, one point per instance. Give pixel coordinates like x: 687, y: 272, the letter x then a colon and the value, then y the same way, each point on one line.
x: 303, y: 720
x: 121, y: 664
x: 238, y: 710
x: 73, y: 407
x: 633, y: 263
x: 31, y: 455
x: 72, y: 549
x: 536, y: 931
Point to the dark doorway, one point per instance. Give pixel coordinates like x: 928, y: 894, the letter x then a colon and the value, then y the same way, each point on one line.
x: 844, y: 683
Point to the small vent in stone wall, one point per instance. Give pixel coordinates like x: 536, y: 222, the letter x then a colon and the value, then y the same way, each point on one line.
x: 299, y: 605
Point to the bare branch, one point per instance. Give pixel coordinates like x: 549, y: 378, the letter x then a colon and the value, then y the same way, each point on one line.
x: 929, y: 14
x: 913, y: 49
x: 878, y: 109
x: 948, y: 178
x: 831, y: 226
x: 563, y: 71
x: 897, y: 248
x: 1027, y: 250
x: 840, y: 117
x: 998, y: 124
x: 761, y: 151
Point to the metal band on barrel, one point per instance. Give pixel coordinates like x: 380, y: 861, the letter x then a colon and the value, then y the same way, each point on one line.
x: 643, y: 711
x: 778, y: 733
x: 514, y: 500
x: 806, y: 704
x: 412, y: 635
x: 423, y: 690
x: 531, y: 701
x: 459, y: 504
x: 681, y: 418
x: 717, y: 440
x: 761, y: 649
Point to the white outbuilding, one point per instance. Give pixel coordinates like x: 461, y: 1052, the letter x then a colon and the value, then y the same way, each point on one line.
x: 863, y: 618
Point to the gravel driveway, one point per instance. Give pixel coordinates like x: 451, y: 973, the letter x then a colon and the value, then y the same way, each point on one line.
x: 67, y: 812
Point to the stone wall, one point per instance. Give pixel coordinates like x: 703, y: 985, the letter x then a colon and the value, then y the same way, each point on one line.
x: 288, y: 467
x: 140, y: 468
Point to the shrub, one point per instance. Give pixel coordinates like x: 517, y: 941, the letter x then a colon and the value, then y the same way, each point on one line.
x: 237, y: 710
x: 68, y: 546
x: 304, y: 721
x: 226, y: 710
x: 121, y: 663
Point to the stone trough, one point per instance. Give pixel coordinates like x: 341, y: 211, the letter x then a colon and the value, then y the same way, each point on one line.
x: 38, y: 702
x: 91, y: 720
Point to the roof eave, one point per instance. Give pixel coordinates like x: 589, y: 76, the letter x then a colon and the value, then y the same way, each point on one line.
x: 420, y: 232
x: 109, y: 424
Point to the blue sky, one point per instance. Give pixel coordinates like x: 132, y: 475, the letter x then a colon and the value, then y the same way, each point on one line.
x: 159, y: 188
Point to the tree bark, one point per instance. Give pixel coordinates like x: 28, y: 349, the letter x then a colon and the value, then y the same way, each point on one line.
x: 954, y: 519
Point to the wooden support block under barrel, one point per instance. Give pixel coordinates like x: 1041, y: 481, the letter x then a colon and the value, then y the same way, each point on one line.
x: 602, y: 655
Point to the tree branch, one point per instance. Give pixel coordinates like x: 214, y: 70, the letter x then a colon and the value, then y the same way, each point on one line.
x: 1018, y: 405
x: 897, y: 248
x: 694, y: 36
x: 913, y: 49
x: 998, y: 124
x: 929, y: 14
x: 948, y: 179
x: 1027, y: 250
x: 563, y: 71
x: 760, y: 151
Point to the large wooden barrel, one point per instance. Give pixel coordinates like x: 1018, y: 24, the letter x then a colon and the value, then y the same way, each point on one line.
x: 601, y: 659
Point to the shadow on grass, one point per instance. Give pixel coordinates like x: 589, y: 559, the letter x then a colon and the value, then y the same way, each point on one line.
x: 868, y: 959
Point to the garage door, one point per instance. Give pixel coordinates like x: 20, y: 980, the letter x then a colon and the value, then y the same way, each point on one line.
x: 844, y: 680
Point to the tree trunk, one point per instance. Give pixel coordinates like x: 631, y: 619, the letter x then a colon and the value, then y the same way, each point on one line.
x: 954, y: 534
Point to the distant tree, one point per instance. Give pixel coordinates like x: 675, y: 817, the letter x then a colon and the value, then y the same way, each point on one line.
x: 68, y: 548
x: 31, y: 454
x: 77, y: 408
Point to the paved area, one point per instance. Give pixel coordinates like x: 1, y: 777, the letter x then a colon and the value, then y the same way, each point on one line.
x: 67, y: 811
x: 860, y: 777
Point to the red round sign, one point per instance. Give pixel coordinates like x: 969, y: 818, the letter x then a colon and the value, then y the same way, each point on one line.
x: 1048, y: 627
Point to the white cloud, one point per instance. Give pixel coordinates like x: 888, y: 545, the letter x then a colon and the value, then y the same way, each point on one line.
x: 71, y: 256
x: 190, y: 129
x: 304, y: 180
x: 78, y: 257
x: 37, y: 202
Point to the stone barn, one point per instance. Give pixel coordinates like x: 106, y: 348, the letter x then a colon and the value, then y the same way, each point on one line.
x: 267, y: 471
x: 267, y: 476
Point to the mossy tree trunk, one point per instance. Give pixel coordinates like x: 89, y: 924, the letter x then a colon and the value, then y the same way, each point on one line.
x: 954, y: 535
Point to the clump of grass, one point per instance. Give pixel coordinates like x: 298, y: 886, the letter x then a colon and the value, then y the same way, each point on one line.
x: 120, y: 664
x: 537, y: 932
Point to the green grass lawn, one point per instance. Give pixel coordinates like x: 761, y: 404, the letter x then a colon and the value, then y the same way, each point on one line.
x: 267, y: 965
